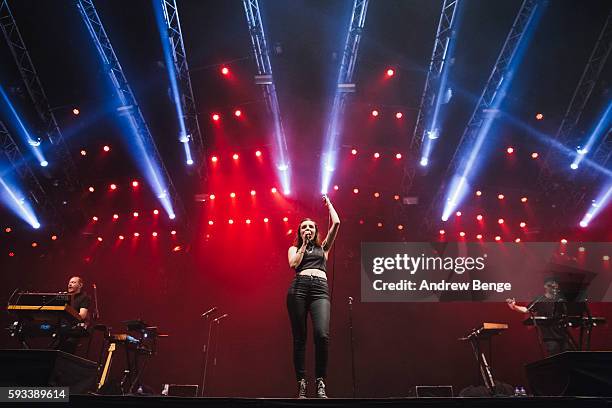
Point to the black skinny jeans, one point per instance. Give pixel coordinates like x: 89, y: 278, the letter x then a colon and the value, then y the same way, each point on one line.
x: 309, y: 294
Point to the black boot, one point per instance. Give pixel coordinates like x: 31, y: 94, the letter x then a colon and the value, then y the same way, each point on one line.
x: 302, y: 388
x: 321, y: 388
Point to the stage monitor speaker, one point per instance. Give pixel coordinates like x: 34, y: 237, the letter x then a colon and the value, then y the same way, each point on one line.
x: 572, y: 373
x: 183, y: 390
x: 47, y: 368
x: 434, y: 391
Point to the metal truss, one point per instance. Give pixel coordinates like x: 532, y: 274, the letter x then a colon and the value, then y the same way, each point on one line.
x: 581, y: 96
x: 485, y: 105
x: 179, y: 56
x: 264, y: 69
x: 28, y: 73
x: 428, y: 99
x: 126, y: 96
x: 37, y: 193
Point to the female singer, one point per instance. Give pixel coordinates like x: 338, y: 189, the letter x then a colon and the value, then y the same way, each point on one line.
x: 309, y: 293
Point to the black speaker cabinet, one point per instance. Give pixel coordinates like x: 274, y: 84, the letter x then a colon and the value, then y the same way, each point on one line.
x: 47, y: 368
x: 572, y: 373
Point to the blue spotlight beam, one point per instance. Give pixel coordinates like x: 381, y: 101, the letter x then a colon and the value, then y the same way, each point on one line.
x: 37, y: 94
x: 264, y: 69
x: 345, y: 79
x: 433, y: 89
x: 582, y: 93
x: 599, y: 203
x: 152, y: 165
x: 481, y: 120
x: 20, y: 166
x: 181, y: 68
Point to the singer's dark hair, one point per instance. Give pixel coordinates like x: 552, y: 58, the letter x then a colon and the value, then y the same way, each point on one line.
x: 297, y: 242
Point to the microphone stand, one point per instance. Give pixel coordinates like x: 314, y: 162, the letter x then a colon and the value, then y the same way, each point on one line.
x: 535, y: 324
x: 350, y: 302
x: 217, y: 320
x: 205, y: 347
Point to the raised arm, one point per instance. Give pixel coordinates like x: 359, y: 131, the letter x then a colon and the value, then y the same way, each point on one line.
x: 333, y: 230
x: 512, y: 305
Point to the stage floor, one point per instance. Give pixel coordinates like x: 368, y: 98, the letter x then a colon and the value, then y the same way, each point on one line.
x: 92, y: 401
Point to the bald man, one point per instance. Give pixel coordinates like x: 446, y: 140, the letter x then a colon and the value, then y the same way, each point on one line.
x: 69, y: 341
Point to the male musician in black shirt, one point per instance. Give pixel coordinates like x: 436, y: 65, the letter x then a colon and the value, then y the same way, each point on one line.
x: 80, y: 301
x: 551, y: 305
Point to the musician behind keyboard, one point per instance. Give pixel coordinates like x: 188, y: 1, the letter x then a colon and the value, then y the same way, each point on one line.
x: 551, y: 305
x: 70, y: 339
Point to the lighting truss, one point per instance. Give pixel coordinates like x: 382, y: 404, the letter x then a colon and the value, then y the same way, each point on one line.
x: 486, y: 103
x: 34, y: 87
x: 264, y: 69
x: 345, y: 77
x: 128, y: 101
x: 446, y: 27
x: 179, y: 55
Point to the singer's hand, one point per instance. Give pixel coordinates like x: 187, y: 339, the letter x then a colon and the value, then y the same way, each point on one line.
x: 326, y: 201
x: 511, y: 303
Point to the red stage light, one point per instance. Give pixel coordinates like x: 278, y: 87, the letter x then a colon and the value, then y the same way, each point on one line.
x: 230, y: 221
x: 478, y: 193
x: 11, y: 254
x: 400, y: 227
x: 380, y: 224
x: 354, y: 152
x: 53, y: 237
x: 535, y: 155
x: 442, y: 232
x: 523, y: 224
x: 216, y: 117
x: 91, y: 189
x: 396, y: 197
x: 266, y: 220
x: 135, y: 214
x: 235, y: 156
x: 100, y: 239
x: 458, y: 213
x: 83, y: 153
x: 258, y: 153
x: 154, y: 234
x: 113, y: 186
x: 136, y: 234
x: 390, y: 72
x: 375, y: 113
x: 225, y: 71
x: 106, y: 148
x: 336, y: 187
x: 377, y: 194
x: 564, y: 241
x: 253, y: 192
x: 155, y: 212
x: 34, y: 244
x: 479, y: 217
x: 214, y: 159
x: 361, y: 222
x: 173, y: 232
x: 212, y: 196
x: 462, y: 234
x: 356, y: 190
x: 500, y: 221
x: 479, y: 236
x: 273, y: 190
x: 497, y: 238
x: 248, y: 221
x: 399, y: 115
x: 121, y: 237
x: 539, y: 116
x: 285, y: 219
x: 510, y: 150
x: 233, y: 195
x: 134, y: 183
x: 376, y: 155
x: 115, y: 216
x: 211, y: 222
x: 75, y: 111
x: 517, y: 240
x: 500, y: 196
x: 94, y: 218
x: 237, y: 113
x: 523, y: 199
x: 398, y: 156
x: 7, y: 229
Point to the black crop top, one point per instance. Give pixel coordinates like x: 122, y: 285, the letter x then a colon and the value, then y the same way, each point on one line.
x: 314, y: 258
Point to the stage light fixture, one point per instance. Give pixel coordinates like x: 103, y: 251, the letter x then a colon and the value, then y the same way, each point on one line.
x: 458, y: 213
x: 398, y: 115
x: 336, y: 187
x: 273, y: 190
x: 216, y: 117
x: 478, y: 193
x: 75, y: 111
x: 154, y: 234
x: 211, y: 222
x: 266, y: 220
x: 479, y: 217
x: 155, y: 212
x: 479, y: 236
x: 500, y: 196
x: 379, y: 225
x: 115, y: 216
x: 253, y: 192
x: 237, y: 113
x: 517, y: 240
x: 462, y: 234
x: 135, y: 214
x: 375, y: 113
x: 230, y: 221
x: 53, y: 237
x: 235, y: 156
x: 355, y: 190
x: 100, y: 239
x: 214, y: 159
x: 7, y: 229
x: 225, y: 71
x: 400, y: 227
x: 523, y: 199
x: 258, y: 153
x: 523, y: 224
x: 83, y: 153
x: 121, y: 237
x: 390, y: 72
x: 398, y: 156
x: 136, y: 234
x: 233, y: 195
x: 134, y: 183
x: 248, y: 221
x: 94, y: 218
x: 442, y: 232
x: 539, y: 116
x: 113, y: 186
x: 377, y: 194
x: 510, y: 150
x: 535, y: 155
x: 354, y: 152
x: 497, y: 238
x: 564, y: 241
x: 173, y: 232
x: 500, y: 221
x: 106, y: 148
x: 212, y: 196
x: 91, y: 189
x: 376, y: 155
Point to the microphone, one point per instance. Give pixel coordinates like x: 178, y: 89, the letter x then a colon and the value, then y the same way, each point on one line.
x: 205, y: 314
x: 220, y: 317
x: 350, y: 299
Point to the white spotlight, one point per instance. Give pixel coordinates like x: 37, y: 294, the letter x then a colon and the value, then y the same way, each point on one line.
x: 44, y: 163
x: 424, y: 161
